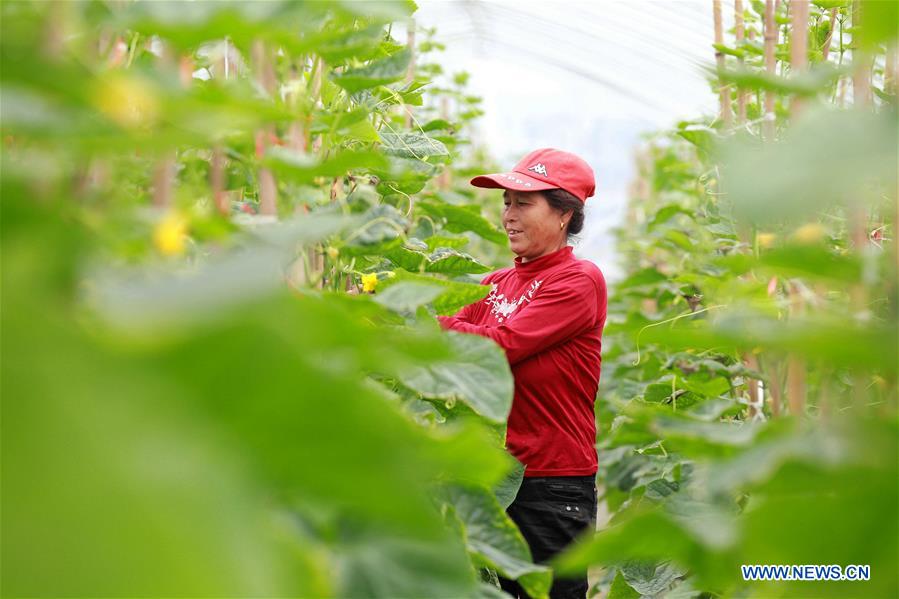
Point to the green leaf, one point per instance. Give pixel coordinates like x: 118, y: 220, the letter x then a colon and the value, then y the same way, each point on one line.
x: 488, y: 590
x: 647, y: 535
x: 704, y: 138
x: 336, y: 45
x: 437, y: 125
x: 383, y: 225
x: 387, y: 10
x: 729, y: 51
x: 305, y: 168
x: 404, y: 175
x: 455, y: 295
x: 804, y: 168
x: 878, y: 25
x: 829, y: 4
x: 665, y: 214
x: 698, y: 438
x: 620, y: 589
x: 464, y: 218
x: 507, y: 489
x: 379, y: 72
x: 495, y: 541
x: 372, y: 565
x: 657, y: 392
x: 407, y: 258
x: 808, y: 83
x: 453, y: 262
x: 800, y: 261
x: 651, y: 579
x: 144, y: 300
x: 436, y: 241
x: 830, y: 339
x: 680, y: 239
x: 142, y: 474
x: 647, y: 276
x: 412, y: 145
x: 406, y: 297
x: 703, y: 384
x: 478, y: 376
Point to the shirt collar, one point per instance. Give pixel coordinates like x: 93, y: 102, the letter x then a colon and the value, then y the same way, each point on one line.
x: 534, y: 267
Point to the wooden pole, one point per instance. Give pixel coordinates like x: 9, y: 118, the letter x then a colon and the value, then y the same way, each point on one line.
x: 858, y: 217
x: 890, y: 67
x: 861, y: 73
x: 796, y: 366
x: 768, y: 127
x: 825, y: 51
x: 296, y: 137
x: 163, y: 181
x: 723, y: 90
x: 774, y: 386
x: 217, y: 180
x: 410, y: 72
x: 316, y: 255
x: 265, y: 74
x: 739, y: 34
x: 756, y: 399
x: 317, y: 66
x: 798, y: 46
x: 445, y: 178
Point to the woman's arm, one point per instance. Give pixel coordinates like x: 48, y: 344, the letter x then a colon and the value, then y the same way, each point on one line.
x: 563, y: 309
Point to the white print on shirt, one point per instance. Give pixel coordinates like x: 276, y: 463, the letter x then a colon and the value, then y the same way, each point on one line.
x: 503, y: 308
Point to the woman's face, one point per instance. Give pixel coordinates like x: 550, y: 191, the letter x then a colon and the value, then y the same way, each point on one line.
x: 531, y: 224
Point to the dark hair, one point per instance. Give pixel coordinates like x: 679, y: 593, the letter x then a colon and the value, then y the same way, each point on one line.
x: 563, y: 201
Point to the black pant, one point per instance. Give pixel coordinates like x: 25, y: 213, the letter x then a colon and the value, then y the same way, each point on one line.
x: 551, y: 512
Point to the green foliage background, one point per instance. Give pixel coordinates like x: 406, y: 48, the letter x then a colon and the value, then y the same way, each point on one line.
x: 199, y: 396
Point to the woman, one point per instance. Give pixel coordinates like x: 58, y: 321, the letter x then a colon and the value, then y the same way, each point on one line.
x: 547, y: 312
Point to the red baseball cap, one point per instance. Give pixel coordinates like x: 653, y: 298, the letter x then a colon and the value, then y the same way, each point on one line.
x: 542, y: 169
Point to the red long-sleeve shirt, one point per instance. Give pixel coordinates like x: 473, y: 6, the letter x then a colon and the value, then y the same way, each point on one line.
x: 548, y: 315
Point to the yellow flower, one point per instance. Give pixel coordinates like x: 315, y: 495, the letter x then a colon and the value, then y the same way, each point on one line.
x: 170, y: 234
x: 369, y: 282
x: 810, y: 233
x: 766, y: 240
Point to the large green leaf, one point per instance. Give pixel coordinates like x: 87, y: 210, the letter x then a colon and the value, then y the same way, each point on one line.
x: 407, y: 296
x: 804, y: 168
x: 141, y: 474
x: 304, y: 168
x: 651, y: 579
x: 620, y: 589
x: 412, y: 145
x: 507, y: 489
x: 478, y: 376
x: 404, y: 176
x: 383, y: 224
x: 455, y: 295
x: 647, y: 276
x: 453, y: 262
x: 878, y: 23
x: 830, y: 339
x: 370, y: 564
x: 379, y: 72
x: 463, y: 218
x: 808, y: 83
x: 406, y: 257
x: 799, y: 260
x: 494, y: 540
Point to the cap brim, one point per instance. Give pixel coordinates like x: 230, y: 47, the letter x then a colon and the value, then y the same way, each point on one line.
x: 513, y: 180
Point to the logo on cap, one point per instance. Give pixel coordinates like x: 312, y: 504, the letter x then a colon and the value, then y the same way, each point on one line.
x: 538, y: 168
